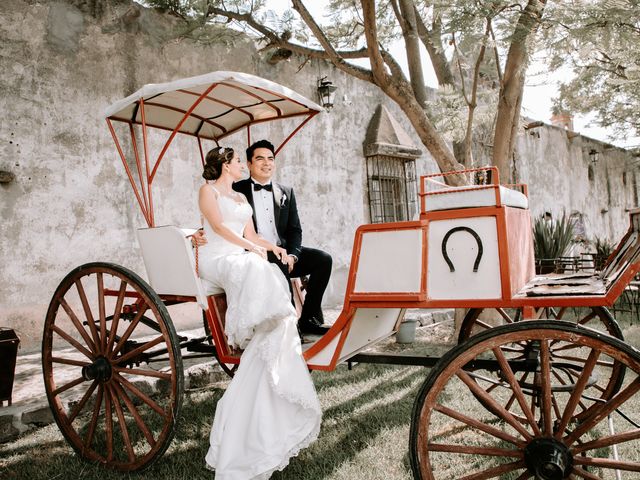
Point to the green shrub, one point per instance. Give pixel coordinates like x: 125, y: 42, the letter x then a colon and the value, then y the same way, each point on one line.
x: 551, y: 238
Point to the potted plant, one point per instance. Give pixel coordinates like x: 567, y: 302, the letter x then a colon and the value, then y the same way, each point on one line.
x: 603, y: 249
x: 551, y: 239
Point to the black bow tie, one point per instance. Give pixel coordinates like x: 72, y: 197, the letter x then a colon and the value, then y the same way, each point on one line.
x: 267, y: 187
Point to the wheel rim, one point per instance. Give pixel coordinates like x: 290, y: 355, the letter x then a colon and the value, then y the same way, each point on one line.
x: 453, y: 435
x: 112, y: 367
x: 600, y: 319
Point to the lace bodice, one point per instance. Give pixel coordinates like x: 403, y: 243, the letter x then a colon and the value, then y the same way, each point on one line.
x: 235, y: 216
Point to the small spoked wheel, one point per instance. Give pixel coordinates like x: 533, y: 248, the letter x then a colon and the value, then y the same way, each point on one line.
x: 465, y: 430
x: 611, y: 373
x: 112, y: 367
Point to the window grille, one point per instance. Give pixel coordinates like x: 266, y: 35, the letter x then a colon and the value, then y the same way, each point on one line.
x: 392, y: 188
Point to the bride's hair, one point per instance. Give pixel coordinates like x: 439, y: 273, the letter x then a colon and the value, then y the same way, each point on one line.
x: 216, y: 157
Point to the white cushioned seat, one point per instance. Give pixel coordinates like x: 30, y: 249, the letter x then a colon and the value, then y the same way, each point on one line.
x: 474, y: 196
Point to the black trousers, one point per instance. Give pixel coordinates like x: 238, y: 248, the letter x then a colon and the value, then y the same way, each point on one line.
x: 316, y: 264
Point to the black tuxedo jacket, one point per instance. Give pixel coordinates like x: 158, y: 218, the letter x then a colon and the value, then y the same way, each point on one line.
x: 285, y: 211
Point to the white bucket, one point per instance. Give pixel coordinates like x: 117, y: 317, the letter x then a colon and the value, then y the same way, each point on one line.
x: 407, y: 331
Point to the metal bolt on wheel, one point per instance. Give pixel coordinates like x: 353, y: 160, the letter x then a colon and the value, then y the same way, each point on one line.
x: 465, y: 430
x: 112, y: 367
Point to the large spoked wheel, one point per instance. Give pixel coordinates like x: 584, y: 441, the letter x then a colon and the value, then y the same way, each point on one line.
x: 228, y: 368
x: 595, y: 318
x: 538, y: 435
x: 112, y: 367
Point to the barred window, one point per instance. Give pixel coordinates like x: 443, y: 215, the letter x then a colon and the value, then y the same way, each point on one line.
x: 392, y: 188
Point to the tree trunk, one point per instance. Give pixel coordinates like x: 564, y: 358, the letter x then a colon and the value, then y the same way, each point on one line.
x: 432, y: 41
x: 512, y: 87
x: 412, y: 46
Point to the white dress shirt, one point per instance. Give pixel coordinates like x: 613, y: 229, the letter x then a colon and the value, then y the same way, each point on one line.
x: 265, y: 214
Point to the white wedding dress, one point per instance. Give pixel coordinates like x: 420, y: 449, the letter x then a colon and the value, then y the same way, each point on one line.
x: 270, y: 410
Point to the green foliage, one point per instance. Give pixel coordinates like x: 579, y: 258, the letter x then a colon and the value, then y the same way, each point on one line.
x: 599, y: 40
x: 604, y: 248
x: 552, y: 238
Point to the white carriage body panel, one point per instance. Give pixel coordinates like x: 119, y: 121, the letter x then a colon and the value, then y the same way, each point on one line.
x: 390, y: 261
x: 462, y: 250
x: 370, y: 325
x: 170, y: 263
x: 324, y: 356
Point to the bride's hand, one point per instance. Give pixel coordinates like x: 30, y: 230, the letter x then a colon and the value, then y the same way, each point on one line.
x: 280, y: 253
x: 258, y: 250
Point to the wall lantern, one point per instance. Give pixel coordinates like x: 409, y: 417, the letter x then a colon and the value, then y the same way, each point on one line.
x: 594, y: 156
x: 326, y: 92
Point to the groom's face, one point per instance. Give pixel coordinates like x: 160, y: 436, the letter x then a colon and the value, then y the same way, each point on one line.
x: 262, y: 165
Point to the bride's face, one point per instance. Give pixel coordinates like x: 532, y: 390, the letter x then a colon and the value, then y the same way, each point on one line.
x: 237, y: 168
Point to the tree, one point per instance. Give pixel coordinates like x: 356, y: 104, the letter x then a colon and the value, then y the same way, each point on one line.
x: 600, y: 42
x: 364, y: 29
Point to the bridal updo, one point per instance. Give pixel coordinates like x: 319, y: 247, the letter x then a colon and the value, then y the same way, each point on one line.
x: 215, y: 159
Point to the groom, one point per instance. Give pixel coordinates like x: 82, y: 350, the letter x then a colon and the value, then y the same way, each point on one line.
x: 275, y: 216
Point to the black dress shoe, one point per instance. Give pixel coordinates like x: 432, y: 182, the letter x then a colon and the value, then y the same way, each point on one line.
x: 312, y: 326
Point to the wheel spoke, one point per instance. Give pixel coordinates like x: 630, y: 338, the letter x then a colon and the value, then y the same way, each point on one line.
x: 602, y: 410
x: 473, y: 450
x: 87, y: 312
x: 607, y: 463
x: 116, y: 315
x: 517, y: 391
x: 472, y: 422
x: 123, y: 339
x: 69, y: 361
x: 583, y: 474
x: 78, y: 408
x: 73, y: 342
x: 78, y: 325
x: 122, y: 423
x: 108, y: 423
x: 504, y: 414
x: 97, y: 406
x: 603, y: 442
x: 576, y: 394
x: 101, y: 312
x: 137, y: 351
x: 67, y: 386
x: 134, y: 412
x: 141, y: 395
x: 504, y: 315
x: 144, y: 373
x: 545, y: 380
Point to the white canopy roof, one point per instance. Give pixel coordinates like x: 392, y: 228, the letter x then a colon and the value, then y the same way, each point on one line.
x: 233, y: 101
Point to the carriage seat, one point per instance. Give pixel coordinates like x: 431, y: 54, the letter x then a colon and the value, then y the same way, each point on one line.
x: 170, y: 263
x: 471, y: 196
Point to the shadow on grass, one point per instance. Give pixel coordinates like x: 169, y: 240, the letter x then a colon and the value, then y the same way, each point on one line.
x: 349, y: 427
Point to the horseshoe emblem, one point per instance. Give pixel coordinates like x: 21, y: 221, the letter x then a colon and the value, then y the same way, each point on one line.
x: 446, y: 239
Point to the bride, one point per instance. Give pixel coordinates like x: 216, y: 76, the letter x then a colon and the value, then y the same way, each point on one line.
x: 270, y: 410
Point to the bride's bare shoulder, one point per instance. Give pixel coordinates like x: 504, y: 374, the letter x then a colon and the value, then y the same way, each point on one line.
x: 207, y: 189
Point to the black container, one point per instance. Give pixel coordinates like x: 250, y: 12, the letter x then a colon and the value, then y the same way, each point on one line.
x: 9, y: 342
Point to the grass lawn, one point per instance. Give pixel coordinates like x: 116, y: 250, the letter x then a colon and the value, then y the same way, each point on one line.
x: 365, y: 431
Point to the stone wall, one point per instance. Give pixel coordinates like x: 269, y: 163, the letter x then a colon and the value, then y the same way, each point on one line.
x: 62, y: 63
x: 70, y: 203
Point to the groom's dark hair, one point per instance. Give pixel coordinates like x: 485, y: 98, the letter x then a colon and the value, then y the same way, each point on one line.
x: 260, y: 144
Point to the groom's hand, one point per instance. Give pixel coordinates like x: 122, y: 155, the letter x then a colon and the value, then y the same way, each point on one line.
x: 289, y: 260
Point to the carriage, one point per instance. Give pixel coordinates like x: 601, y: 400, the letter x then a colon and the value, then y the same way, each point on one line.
x: 540, y: 385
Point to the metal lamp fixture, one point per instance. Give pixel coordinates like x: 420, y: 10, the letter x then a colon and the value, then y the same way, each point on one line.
x: 594, y: 155
x: 326, y: 92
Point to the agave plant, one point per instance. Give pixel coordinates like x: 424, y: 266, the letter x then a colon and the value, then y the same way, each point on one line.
x: 604, y: 248
x: 551, y: 239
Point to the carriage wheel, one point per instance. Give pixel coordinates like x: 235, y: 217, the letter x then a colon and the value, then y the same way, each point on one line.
x: 112, y: 367
x: 228, y: 368
x: 595, y: 318
x: 539, y: 435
